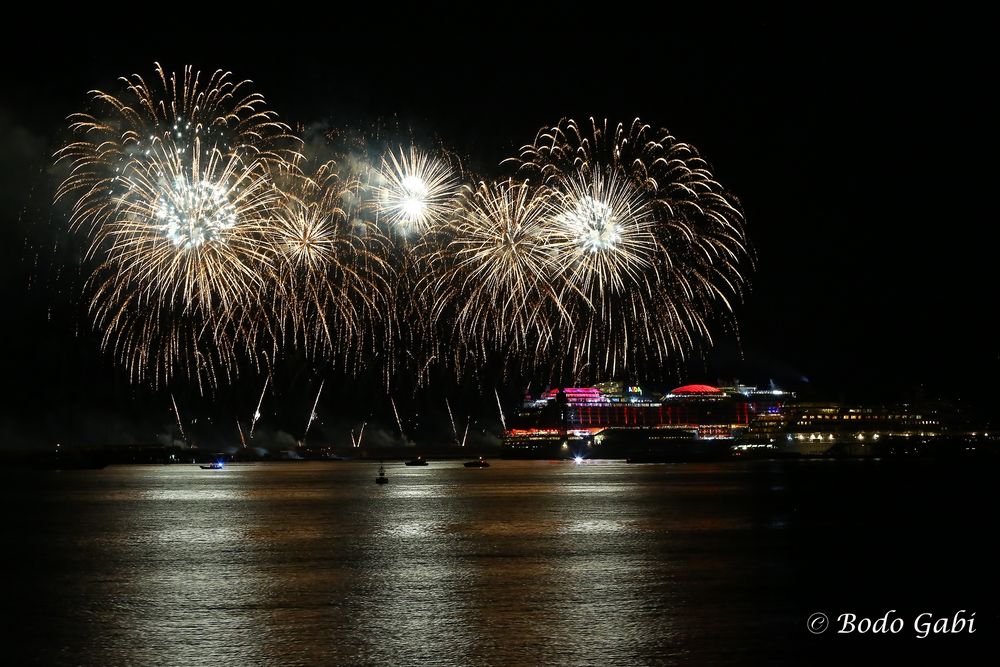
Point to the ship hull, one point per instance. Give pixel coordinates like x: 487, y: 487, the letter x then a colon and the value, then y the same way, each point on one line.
x: 639, y: 446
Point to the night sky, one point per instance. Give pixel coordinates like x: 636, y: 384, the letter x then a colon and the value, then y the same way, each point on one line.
x: 860, y: 147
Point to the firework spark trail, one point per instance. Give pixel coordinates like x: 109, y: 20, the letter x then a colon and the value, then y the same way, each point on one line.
x: 399, y: 422
x: 312, y: 413
x: 177, y: 413
x: 468, y: 420
x: 243, y: 440
x: 256, y: 412
x: 503, y: 421
x: 361, y: 433
x: 451, y: 417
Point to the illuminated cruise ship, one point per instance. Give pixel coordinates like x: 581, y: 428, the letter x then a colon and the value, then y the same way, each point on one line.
x: 613, y: 420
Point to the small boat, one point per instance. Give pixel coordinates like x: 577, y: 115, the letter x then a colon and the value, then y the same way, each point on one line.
x: 481, y: 463
x: 381, y: 479
x: 419, y: 461
x: 214, y: 465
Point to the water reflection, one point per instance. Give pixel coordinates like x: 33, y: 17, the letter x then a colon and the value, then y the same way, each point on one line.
x: 311, y: 564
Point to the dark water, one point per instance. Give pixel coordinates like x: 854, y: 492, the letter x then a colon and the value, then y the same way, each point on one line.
x: 523, y: 563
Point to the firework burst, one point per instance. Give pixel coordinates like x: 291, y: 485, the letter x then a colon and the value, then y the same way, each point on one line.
x: 335, y: 277
x: 196, y: 226
x: 412, y: 194
x: 415, y: 191
x: 602, y: 232
x: 653, y: 245
x: 496, y: 273
x: 612, y: 246
x: 172, y: 185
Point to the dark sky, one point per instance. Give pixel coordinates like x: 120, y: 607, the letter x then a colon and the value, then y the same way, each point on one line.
x: 860, y: 145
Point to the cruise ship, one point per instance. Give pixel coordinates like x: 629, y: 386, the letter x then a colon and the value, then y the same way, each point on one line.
x: 698, y: 422
x: 826, y: 428
x: 614, y: 420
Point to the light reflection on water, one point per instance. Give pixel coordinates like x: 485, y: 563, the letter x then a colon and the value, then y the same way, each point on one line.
x: 314, y: 564
x: 597, y: 526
